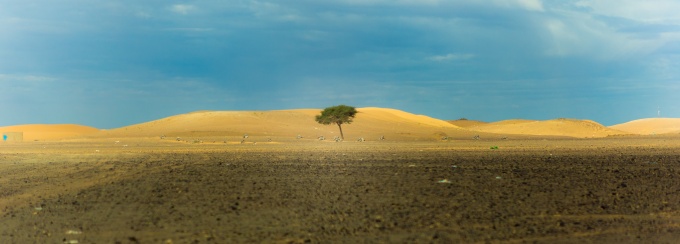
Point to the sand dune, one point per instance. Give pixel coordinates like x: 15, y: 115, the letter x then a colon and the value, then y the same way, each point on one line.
x: 650, y: 126
x: 555, y: 127
x: 465, y: 123
x: 43, y: 132
x: 511, y: 122
x: 370, y: 123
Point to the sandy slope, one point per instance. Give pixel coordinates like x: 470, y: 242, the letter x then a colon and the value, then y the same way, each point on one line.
x: 42, y: 132
x: 465, y: 123
x: 370, y: 123
x: 650, y: 126
x: 555, y: 127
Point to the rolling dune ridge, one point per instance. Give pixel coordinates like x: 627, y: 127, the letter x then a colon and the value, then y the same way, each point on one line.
x: 370, y: 123
x: 650, y: 126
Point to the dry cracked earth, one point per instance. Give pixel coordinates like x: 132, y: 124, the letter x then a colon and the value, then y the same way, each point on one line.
x: 546, y: 191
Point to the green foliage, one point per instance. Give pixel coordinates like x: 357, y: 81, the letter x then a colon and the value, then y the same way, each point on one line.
x: 341, y: 114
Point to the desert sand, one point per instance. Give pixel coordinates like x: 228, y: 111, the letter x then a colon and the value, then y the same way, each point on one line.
x: 464, y: 123
x: 650, y: 126
x: 556, y: 127
x: 42, y: 132
x: 371, y: 123
x: 555, y: 181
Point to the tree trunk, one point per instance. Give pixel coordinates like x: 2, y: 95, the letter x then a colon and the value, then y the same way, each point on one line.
x: 341, y: 135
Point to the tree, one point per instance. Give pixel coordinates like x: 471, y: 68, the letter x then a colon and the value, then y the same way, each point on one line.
x: 341, y: 114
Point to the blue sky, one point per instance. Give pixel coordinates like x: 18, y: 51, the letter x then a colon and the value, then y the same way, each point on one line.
x: 109, y: 64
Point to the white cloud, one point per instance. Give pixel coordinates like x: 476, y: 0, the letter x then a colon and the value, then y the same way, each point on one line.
x: 531, y: 5
x: 579, y: 33
x: 564, y: 41
x: 263, y: 9
x: 25, y: 78
x: 452, y: 56
x: 648, y: 11
x: 392, y: 2
x: 182, y: 9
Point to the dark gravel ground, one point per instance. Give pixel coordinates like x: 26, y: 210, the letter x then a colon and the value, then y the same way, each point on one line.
x: 343, y: 193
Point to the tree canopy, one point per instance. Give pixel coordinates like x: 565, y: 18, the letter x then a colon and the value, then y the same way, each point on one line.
x: 340, y: 114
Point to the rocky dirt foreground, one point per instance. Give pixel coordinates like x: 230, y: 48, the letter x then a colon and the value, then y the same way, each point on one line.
x: 597, y: 190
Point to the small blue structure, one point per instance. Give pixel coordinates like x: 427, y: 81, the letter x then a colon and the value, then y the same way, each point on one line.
x: 12, y: 136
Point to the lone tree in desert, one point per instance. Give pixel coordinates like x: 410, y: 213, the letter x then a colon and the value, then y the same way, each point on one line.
x: 341, y: 114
